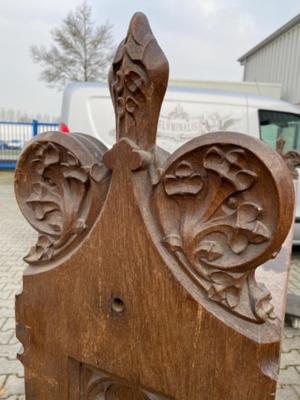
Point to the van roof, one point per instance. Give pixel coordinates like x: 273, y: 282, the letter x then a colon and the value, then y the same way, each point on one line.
x: 213, y: 95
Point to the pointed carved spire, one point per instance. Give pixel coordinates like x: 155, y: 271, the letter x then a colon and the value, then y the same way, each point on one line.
x: 138, y: 80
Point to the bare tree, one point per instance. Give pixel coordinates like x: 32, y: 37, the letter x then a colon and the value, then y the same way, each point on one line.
x: 82, y: 50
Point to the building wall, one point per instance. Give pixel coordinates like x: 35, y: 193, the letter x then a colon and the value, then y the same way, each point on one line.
x: 278, y: 62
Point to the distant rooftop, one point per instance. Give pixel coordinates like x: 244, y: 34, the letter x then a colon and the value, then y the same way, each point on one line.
x: 273, y: 36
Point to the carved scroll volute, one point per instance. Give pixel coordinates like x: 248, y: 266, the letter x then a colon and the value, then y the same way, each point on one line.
x: 225, y: 205
x: 138, y: 80
x: 60, y: 184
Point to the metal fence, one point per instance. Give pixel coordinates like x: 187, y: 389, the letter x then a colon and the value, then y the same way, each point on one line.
x: 14, y: 135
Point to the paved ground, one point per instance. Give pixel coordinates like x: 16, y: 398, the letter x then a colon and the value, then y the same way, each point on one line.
x: 16, y: 236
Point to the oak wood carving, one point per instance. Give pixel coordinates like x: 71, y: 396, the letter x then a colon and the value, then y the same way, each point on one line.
x: 291, y: 157
x: 142, y: 283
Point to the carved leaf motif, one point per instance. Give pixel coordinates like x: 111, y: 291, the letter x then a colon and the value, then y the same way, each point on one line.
x: 184, y: 181
x: 50, y: 155
x: 71, y: 160
x: 225, y: 288
x: 260, y: 233
x: 244, y: 179
x: 41, y: 208
x: 236, y: 157
x: 138, y: 80
x: 131, y: 104
x: 78, y: 174
x: 238, y: 243
x: 174, y: 242
x: 222, y: 278
x: 97, y: 172
x: 248, y: 229
x: 129, y: 80
x: 209, y: 250
x: 260, y: 299
x: 232, y: 297
x: 218, y: 226
x: 228, y: 296
x: 225, y: 165
x: 42, y: 249
x: 38, y: 166
x: 59, y: 198
x: 134, y: 82
x: 97, y: 384
x: 184, y: 170
x: 247, y: 212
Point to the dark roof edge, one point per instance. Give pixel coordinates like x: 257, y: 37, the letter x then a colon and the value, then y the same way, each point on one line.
x: 294, y: 21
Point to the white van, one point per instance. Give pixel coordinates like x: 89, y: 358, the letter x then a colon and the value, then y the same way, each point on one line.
x: 187, y: 112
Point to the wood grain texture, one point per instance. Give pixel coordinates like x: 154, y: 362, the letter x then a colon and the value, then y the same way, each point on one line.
x: 146, y: 286
x: 291, y: 157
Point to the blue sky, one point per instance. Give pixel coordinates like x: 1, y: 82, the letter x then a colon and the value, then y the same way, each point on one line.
x: 201, y: 38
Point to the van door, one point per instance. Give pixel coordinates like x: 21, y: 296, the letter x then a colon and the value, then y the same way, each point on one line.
x: 253, y: 122
x: 274, y: 124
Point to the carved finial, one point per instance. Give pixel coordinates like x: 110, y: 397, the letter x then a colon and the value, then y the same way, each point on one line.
x: 138, y: 80
x: 291, y: 158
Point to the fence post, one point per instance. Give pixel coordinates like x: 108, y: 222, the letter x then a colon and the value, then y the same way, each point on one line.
x: 35, y: 125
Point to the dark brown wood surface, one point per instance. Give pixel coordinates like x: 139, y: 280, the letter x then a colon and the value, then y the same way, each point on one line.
x: 142, y: 282
x: 291, y: 157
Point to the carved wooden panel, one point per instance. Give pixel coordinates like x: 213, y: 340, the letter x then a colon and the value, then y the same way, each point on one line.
x: 89, y: 383
x: 223, y: 224
x: 143, y: 282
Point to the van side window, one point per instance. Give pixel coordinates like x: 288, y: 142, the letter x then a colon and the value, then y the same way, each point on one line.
x: 274, y: 124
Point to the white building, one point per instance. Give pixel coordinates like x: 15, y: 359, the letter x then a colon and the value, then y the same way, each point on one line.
x: 277, y: 60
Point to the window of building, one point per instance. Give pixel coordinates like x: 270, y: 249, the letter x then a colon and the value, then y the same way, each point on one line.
x: 274, y: 124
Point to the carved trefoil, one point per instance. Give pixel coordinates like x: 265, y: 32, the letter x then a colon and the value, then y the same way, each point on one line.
x: 140, y: 251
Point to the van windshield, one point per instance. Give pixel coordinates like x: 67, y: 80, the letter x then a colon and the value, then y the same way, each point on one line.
x: 274, y: 124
